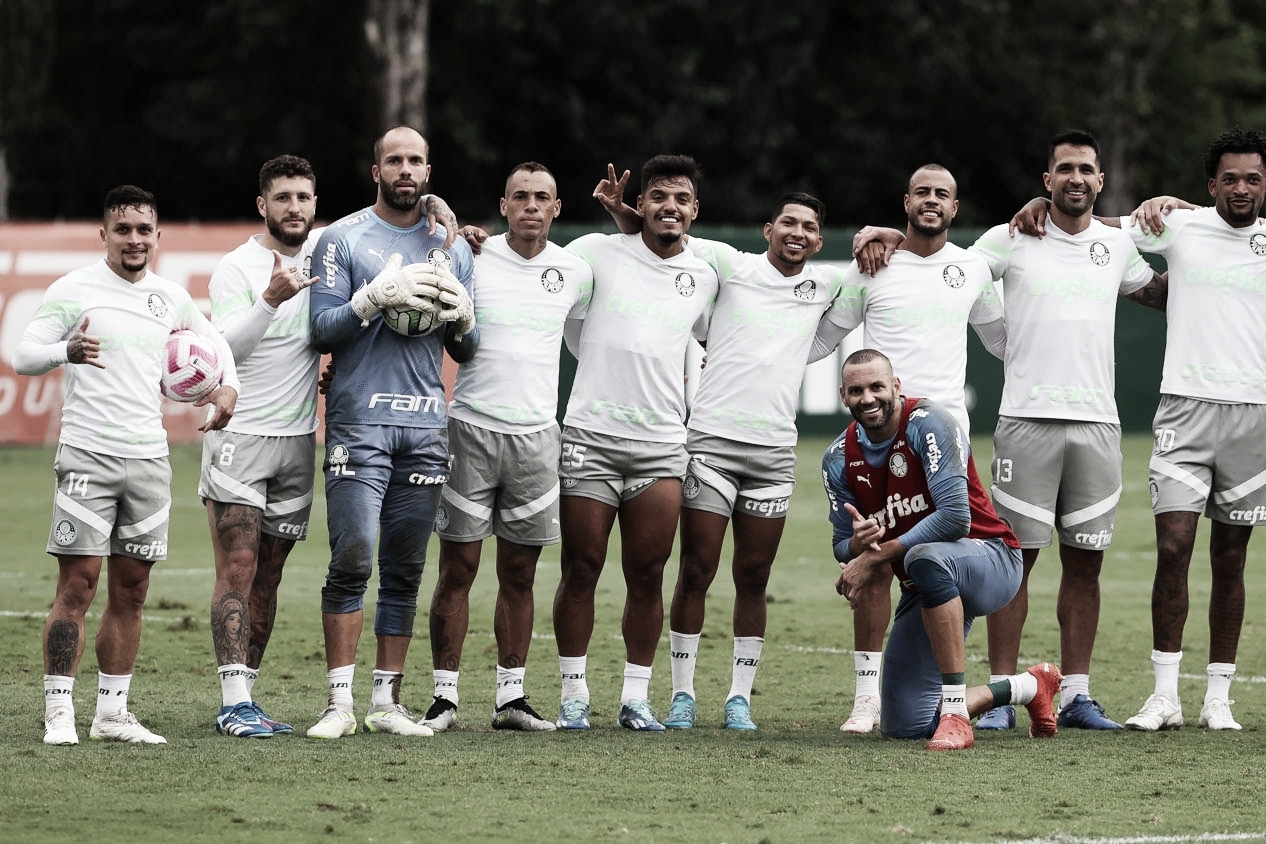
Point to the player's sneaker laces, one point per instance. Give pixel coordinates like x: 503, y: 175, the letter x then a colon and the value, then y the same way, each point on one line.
x: 1042, y: 723
x: 1085, y: 713
x: 998, y: 718
x: 241, y: 720
x: 441, y: 715
x: 518, y: 715
x: 573, y: 714
x: 334, y: 723
x: 864, y: 717
x: 123, y: 726
x: 1216, y: 715
x: 59, y: 727
x: 394, y: 718
x: 952, y: 733
x: 638, y: 715
x: 1159, y: 712
x: 738, y: 714
x: 278, y: 727
x: 681, y: 712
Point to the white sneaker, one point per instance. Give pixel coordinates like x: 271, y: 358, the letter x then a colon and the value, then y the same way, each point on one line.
x: 394, y: 718
x: 59, y: 727
x: 1215, y: 714
x: 1159, y: 712
x: 864, y: 717
x: 334, y: 723
x: 122, y: 726
x: 441, y: 715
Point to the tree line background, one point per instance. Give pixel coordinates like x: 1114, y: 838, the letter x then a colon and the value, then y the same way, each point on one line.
x: 842, y: 99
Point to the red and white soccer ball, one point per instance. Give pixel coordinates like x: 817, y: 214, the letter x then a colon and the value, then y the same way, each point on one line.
x: 191, y: 366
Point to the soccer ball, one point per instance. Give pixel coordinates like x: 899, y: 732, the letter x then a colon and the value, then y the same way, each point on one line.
x: 191, y: 366
x: 410, y: 322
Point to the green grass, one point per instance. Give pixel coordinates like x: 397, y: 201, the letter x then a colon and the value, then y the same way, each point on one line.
x: 796, y: 779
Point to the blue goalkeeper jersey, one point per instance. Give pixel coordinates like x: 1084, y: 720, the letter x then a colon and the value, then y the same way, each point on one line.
x: 381, y: 377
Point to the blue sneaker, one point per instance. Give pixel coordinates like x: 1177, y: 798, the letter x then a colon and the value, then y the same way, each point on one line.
x: 241, y: 720
x: 637, y: 715
x: 998, y: 718
x: 1085, y: 713
x: 573, y: 714
x: 276, y: 726
x: 738, y: 714
x: 681, y: 712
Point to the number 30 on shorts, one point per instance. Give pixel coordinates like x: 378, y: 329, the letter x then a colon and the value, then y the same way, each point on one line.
x: 573, y: 456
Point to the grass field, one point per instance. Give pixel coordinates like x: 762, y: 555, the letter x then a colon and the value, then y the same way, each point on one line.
x: 796, y: 779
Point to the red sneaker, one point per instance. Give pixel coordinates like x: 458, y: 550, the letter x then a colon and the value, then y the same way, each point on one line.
x: 953, y: 733
x: 1042, y: 707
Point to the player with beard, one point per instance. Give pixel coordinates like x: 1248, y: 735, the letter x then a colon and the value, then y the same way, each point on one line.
x: 1057, y: 445
x: 257, y: 473
x: 624, y: 437
x: 386, y: 421
x: 504, y: 438
x: 916, y: 311
x: 113, y: 490
x: 904, y: 495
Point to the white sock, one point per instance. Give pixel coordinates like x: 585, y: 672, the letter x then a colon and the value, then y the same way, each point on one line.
x: 1023, y: 688
x: 112, y: 692
x: 572, y: 669
x: 509, y: 684
x: 1165, y: 665
x: 340, y: 680
x: 386, y: 689
x: 1073, y: 685
x: 866, y: 667
x: 233, y: 684
x: 954, y: 699
x: 746, y: 660
x: 446, y: 685
x: 252, y: 674
x: 58, y: 693
x: 1220, y: 675
x: 637, y: 683
x: 683, y: 648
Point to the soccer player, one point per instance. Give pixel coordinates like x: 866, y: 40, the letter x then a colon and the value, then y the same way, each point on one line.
x: 624, y: 438
x: 257, y: 473
x: 1057, y: 445
x: 1207, y: 453
x: 742, y: 435
x: 504, y: 438
x: 904, y: 495
x: 386, y: 421
x: 916, y: 311
x: 111, y: 321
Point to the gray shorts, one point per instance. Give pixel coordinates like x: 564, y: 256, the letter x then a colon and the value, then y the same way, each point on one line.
x: 273, y: 474
x: 110, y: 505
x: 613, y: 469
x: 1053, y: 474
x: 1209, y: 456
x: 726, y: 477
x: 502, y: 484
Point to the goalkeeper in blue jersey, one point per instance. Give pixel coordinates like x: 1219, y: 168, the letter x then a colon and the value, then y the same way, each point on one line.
x: 386, y: 420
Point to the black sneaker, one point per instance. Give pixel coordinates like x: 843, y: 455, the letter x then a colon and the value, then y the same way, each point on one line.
x: 518, y: 715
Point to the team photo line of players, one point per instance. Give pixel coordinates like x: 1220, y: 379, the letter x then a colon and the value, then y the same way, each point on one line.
x: 387, y: 291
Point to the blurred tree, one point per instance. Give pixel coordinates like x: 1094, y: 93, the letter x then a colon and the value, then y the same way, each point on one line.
x: 396, y: 31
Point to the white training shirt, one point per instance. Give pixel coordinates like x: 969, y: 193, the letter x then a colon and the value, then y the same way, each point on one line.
x: 521, y: 305
x: 630, y: 381
x: 916, y: 312
x: 277, y: 367
x: 1060, y: 297
x: 115, y: 410
x: 1216, y: 313
x: 758, y: 341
